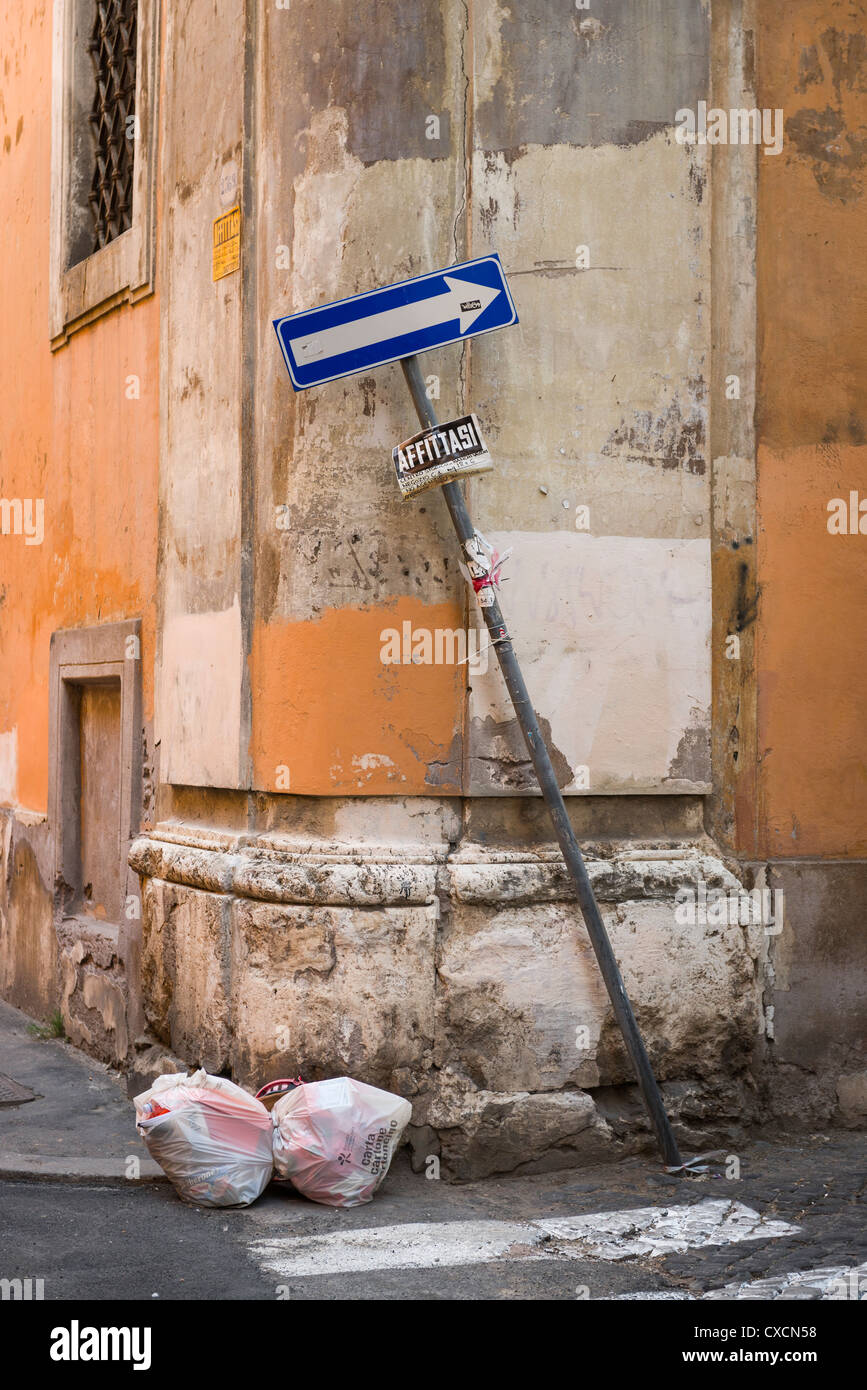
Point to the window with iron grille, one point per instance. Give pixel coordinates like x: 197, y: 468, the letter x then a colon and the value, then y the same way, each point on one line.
x: 103, y: 159
x: 112, y: 49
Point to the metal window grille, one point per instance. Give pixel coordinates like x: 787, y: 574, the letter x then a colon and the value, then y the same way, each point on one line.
x: 112, y: 49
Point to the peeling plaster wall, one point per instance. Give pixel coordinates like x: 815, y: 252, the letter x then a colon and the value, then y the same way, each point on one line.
x: 731, y: 809
x: 560, y: 76
x: 325, y: 706
x: 201, y: 659
x: 600, y: 395
x: 590, y: 614
x: 598, y: 400
x: 351, y: 194
x: 201, y: 697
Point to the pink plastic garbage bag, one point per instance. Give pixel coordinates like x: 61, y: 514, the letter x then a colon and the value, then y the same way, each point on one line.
x: 335, y: 1139
x: 212, y: 1139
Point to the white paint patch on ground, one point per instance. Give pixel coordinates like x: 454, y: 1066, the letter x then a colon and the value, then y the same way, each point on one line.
x: 832, y: 1282
x: 614, y: 1235
x: 836, y: 1282
x: 620, y: 1235
x: 416, y: 1245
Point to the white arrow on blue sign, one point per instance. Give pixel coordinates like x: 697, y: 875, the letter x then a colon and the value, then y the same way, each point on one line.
x: 368, y: 330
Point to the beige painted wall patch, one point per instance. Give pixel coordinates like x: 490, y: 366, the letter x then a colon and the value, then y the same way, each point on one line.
x: 227, y: 243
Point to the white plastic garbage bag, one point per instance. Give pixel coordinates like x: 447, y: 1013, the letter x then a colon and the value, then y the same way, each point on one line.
x: 335, y: 1139
x: 211, y: 1138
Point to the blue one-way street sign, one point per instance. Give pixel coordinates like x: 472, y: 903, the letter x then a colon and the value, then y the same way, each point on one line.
x: 384, y: 325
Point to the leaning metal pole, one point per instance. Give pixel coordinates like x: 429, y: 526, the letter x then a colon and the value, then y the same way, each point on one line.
x: 554, y: 801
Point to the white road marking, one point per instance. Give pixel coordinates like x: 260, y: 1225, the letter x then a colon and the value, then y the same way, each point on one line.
x: 416, y: 1245
x: 617, y: 1235
x: 613, y: 1235
x: 832, y: 1282
x: 839, y: 1282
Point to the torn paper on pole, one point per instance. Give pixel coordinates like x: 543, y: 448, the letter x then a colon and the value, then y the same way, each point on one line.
x: 453, y: 450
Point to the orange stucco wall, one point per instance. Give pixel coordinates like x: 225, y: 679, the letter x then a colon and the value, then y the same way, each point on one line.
x: 71, y: 436
x: 811, y: 429
x: 326, y: 704
x: 812, y: 697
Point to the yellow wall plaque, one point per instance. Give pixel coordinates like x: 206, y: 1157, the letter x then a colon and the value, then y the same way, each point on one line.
x: 227, y: 243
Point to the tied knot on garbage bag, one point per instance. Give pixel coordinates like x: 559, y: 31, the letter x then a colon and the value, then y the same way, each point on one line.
x: 219, y: 1146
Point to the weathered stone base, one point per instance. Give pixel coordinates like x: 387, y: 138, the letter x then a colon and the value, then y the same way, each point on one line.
x: 463, y: 980
x: 486, y: 1133
x: 94, y: 995
x: 78, y: 966
x: 28, y: 942
x: 815, y: 997
x: 455, y: 970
